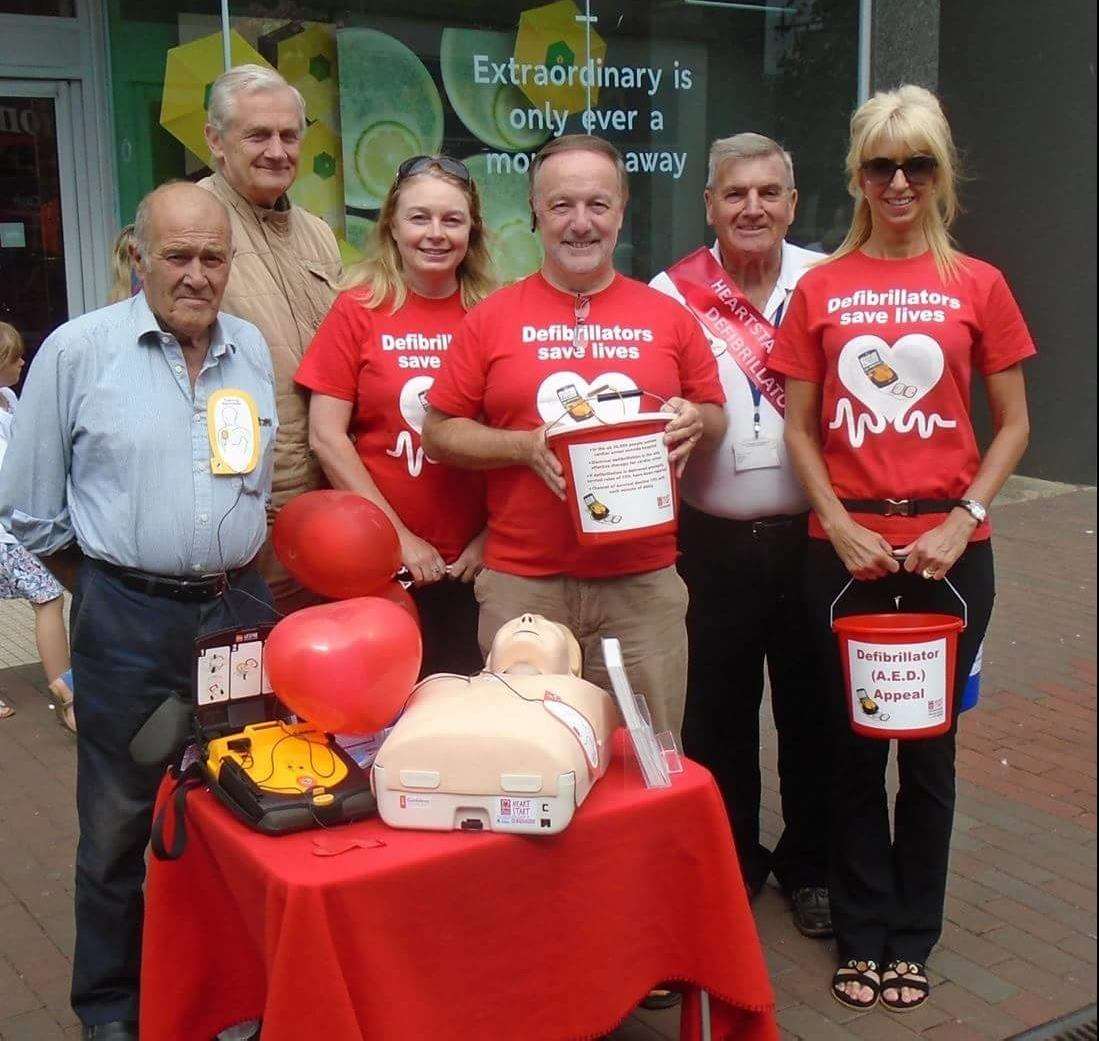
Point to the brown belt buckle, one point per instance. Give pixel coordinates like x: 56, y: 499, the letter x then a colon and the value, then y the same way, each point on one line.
x: 899, y: 508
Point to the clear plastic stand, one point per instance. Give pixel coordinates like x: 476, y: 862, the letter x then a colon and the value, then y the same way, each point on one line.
x: 657, y: 755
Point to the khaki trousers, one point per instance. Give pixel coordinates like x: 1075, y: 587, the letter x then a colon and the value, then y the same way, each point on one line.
x: 645, y: 612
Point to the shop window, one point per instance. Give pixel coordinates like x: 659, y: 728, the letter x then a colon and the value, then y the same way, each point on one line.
x: 489, y: 81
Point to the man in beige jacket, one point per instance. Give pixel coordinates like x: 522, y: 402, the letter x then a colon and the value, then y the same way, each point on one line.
x: 285, y: 264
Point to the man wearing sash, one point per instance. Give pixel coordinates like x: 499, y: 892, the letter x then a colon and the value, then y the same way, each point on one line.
x: 743, y: 531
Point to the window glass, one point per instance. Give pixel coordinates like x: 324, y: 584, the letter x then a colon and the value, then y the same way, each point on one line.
x: 489, y: 81
x: 42, y: 8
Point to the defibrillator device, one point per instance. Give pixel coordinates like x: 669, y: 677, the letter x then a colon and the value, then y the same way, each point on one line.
x: 274, y: 773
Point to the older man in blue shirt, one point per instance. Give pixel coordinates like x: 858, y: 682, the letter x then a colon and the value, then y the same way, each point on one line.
x: 139, y: 470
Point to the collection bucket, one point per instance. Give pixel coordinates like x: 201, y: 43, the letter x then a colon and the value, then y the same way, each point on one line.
x: 898, y: 670
x: 619, y: 483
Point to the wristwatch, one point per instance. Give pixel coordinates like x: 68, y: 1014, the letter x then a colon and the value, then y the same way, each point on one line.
x: 975, y: 509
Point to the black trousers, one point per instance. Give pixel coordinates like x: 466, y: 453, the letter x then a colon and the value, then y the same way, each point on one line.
x: 747, y: 608
x: 448, y: 622
x: 130, y: 651
x: 887, y: 891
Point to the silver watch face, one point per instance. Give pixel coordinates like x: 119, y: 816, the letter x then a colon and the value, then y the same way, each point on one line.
x: 975, y: 509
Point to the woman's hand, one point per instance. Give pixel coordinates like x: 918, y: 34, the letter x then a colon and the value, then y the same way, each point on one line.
x: 421, y: 558
x: 682, y: 433
x: 864, y: 553
x: 933, y: 554
x: 470, y: 560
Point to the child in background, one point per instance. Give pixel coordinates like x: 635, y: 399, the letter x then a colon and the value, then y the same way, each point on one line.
x: 124, y: 280
x: 22, y: 576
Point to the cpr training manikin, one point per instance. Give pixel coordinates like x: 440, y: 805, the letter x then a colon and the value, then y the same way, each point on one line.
x: 514, y: 748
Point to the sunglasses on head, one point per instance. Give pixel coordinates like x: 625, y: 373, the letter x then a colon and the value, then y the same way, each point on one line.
x: 418, y: 164
x: 917, y: 169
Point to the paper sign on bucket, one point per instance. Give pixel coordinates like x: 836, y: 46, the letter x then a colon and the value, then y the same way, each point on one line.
x: 620, y: 483
x: 899, y: 672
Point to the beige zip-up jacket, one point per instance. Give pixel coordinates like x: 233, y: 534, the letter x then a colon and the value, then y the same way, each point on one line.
x: 286, y: 266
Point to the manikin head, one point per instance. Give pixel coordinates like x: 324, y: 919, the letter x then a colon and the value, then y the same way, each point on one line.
x: 534, y: 645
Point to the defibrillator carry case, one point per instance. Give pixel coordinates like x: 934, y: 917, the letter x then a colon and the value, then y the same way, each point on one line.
x: 272, y: 772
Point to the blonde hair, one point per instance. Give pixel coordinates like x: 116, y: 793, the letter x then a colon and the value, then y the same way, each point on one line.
x: 121, y: 267
x: 911, y: 117
x: 11, y: 344
x: 382, y: 269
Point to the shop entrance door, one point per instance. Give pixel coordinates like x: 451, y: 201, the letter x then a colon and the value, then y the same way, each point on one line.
x: 41, y: 257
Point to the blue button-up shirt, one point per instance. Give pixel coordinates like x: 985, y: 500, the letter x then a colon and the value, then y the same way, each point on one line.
x: 110, y: 446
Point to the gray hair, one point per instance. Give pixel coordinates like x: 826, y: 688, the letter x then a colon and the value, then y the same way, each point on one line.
x: 143, y: 217
x: 747, y: 146
x: 245, y: 79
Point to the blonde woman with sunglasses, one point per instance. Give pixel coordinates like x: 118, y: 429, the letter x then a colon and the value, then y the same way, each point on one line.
x: 370, y: 366
x: 878, y: 347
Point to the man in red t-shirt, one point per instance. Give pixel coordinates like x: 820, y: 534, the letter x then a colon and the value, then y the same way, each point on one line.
x: 533, y: 352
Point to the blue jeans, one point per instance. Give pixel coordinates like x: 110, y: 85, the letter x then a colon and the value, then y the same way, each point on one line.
x: 130, y: 651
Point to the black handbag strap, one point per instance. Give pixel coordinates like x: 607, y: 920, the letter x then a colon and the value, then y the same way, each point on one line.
x: 177, y: 804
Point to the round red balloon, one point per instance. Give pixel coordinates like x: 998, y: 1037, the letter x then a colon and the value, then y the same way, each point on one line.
x: 347, y: 667
x: 395, y: 593
x: 337, y: 544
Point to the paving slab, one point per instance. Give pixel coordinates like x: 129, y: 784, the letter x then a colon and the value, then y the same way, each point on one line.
x: 1019, y: 945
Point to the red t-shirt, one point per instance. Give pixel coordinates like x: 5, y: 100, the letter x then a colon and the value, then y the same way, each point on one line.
x: 513, y: 365
x: 384, y: 364
x: 894, y: 347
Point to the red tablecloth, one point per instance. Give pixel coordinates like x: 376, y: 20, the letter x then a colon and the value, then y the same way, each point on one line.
x: 440, y: 936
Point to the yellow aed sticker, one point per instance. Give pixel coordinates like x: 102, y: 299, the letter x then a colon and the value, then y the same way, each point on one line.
x: 232, y: 424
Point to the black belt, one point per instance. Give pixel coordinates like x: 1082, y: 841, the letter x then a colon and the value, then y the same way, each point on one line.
x: 900, y: 507
x: 761, y: 527
x: 201, y: 587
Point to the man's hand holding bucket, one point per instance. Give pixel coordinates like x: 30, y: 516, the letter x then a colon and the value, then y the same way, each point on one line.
x: 684, y: 432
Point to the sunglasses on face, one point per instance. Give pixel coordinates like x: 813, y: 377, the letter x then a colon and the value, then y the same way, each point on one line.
x: 418, y: 164
x: 917, y: 169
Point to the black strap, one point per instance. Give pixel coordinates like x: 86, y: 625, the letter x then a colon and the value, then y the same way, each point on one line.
x: 900, y: 507
x: 177, y: 801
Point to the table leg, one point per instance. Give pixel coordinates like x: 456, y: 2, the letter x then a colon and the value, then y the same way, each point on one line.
x: 704, y: 1008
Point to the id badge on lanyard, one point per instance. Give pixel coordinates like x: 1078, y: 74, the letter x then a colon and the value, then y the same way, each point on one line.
x: 232, y: 425
x: 758, y: 452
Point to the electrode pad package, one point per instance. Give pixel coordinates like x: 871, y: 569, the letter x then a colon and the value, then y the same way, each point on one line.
x: 515, y: 748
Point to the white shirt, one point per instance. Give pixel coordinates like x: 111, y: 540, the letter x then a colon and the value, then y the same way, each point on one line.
x: 6, y: 417
x: 711, y: 482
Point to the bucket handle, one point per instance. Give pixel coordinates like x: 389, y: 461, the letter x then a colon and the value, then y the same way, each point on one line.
x: 605, y: 392
x: 851, y: 581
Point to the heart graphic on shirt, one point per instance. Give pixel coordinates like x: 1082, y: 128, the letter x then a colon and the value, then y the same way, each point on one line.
x: 566, y: 397
x: 889, y: 380
x: 412, y: 401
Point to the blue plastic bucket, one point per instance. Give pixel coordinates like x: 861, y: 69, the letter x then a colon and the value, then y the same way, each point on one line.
x: 972, y: 692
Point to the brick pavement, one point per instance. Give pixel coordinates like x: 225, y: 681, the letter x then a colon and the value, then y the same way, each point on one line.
x: 1019, y: 945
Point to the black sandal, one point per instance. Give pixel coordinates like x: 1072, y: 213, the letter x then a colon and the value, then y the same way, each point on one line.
x: 856, y: 972
x: 905, y: 974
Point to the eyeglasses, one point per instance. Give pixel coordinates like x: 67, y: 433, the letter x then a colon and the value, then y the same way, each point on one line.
x: 418, y: 164
x: 580, y: 309
x: 917, y: 169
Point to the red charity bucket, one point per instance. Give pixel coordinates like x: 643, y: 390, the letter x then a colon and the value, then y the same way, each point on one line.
x: 619, y: 483
x: 899, y: 672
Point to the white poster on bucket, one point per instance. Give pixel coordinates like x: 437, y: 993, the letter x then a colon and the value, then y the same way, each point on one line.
x: 898, y: 686
x: 623, y: 484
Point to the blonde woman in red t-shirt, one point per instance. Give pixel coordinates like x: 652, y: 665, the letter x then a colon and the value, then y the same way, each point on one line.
x: 370, y: 366
x: 878, y: 347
